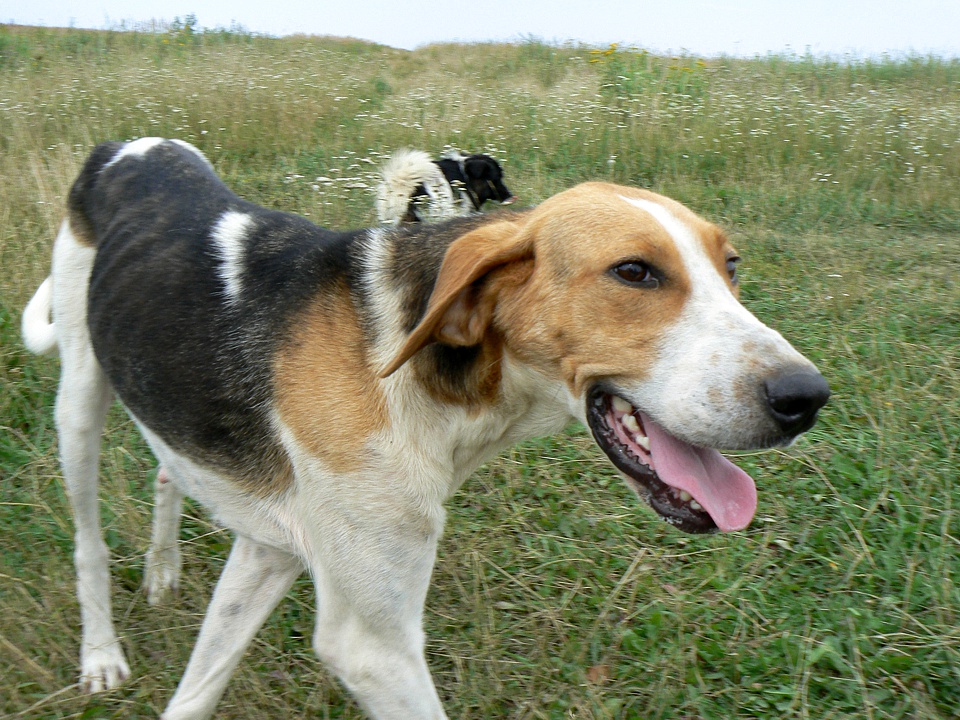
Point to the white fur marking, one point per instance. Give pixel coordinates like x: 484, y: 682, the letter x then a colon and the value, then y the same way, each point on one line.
x: 711, y: 299
x: 187, y: 146
x: 385, y: 300
x: 137, y: 148
x: 705, y: 281
x: 228, y: 236
x: 38, y: 330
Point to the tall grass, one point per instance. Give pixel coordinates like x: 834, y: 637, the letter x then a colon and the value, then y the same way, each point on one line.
x: 555, y: 595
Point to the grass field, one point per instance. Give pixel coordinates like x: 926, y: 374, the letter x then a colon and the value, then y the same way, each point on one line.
x: 555, y: 594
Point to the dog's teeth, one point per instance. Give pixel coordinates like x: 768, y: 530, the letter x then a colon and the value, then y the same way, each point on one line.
x: 631, y: 424
x: 685, y: 496
x: 694, y: 505
x: 621, y: 405
x: 643, y: 441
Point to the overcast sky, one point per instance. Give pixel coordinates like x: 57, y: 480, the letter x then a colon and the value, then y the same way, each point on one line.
x: 701, y: 27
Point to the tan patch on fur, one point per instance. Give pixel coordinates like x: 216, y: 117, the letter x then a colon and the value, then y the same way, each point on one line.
x: 327, y: 392
x: 573, y: 319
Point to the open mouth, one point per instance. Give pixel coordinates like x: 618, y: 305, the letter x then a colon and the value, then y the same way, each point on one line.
x: 694, y: 488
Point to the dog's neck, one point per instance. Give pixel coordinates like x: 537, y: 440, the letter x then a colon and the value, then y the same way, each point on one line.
x: 501, y: 400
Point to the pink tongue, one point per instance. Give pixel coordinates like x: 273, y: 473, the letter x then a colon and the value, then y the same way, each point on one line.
x: 724, y: 490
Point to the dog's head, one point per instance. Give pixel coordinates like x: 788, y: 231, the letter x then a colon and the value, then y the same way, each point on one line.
x: 484, y: 180
x: 628, y: 302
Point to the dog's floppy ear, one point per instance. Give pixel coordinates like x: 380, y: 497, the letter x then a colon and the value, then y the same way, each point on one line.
x: 461, y: 307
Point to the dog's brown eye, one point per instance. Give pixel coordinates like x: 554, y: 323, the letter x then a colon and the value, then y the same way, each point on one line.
x: 732, y: 268
x: 635, y: 273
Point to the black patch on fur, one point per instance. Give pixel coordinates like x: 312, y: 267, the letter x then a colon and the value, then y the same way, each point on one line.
x: 479, y: 174
x: 82, y: 186
x: 418, y: 254
x: 194, y: 368
x: 451, y: 370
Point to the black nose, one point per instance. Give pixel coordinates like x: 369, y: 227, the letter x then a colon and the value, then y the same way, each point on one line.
x: 794, y: 399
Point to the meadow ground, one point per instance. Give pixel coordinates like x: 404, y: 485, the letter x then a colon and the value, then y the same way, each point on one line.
x: 555, y: 595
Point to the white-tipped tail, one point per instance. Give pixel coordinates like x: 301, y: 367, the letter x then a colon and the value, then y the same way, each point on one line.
x: 400, y: 177
x: 39, y: 332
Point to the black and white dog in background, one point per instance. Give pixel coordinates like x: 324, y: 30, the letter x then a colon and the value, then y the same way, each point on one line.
x: 415, y: 188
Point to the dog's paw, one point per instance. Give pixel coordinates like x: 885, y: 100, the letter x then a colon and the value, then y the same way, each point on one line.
x: 103, y: 669
x: 161, y: 579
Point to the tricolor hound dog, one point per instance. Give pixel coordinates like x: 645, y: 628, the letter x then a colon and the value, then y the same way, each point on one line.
x: 414, y: 188
x: 324, y: 393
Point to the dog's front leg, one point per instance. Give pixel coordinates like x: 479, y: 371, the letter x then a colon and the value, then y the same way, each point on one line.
x: 254, y: 580
x: 372, y: 575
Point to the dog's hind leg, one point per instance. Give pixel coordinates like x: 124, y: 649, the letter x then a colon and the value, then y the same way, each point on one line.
x: 82, y: 403
x: 162, y: 574
x: 254, y: 580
